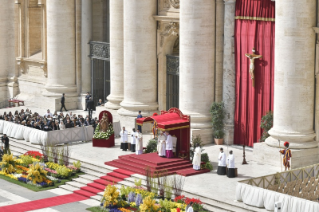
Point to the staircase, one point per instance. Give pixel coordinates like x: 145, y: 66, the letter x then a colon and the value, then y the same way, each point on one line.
x: 96, y: 178
x: 139, y: 163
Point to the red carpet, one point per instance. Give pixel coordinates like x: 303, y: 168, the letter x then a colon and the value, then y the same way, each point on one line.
x: 43, y: 203
x: 84, y: 193
x: 139, y: 163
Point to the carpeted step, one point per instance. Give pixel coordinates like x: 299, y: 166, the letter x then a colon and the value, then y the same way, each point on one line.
x: 97, y: 186
x: 91, y: 189
x: 103, y: 182
x: 124, y: 172
x: 118, y: 175
x: 191, y: 171
x: 84, y: 193
x: 111, y: 179
x: 155, y: 159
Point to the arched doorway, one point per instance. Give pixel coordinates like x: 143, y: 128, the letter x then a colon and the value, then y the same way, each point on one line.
x: 172, y: 77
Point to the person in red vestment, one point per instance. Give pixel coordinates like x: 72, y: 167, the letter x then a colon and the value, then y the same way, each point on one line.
x: 287, y: 155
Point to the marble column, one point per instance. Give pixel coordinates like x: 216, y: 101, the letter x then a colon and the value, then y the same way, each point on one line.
x: 8, y: 70
x: 117, y: 54
x: 294, y: 74
x: 61, y: 48
x: 229, y: 75
x: 197, y: 64
x: 219, y: 50
x: 86, y: 35
x: 140, y: 78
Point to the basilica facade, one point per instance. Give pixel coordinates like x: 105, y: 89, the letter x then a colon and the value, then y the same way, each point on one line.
x: 151, y: 55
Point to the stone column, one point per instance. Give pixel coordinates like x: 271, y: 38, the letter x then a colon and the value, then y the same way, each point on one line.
x: 197, y: 62
x: 219, y: 50
x: 86, y: 35
x: 61, y: 48
x: 8, y: 69
x: 139, y: 58
x: 116, y: 54
x: 229, y: 75
x: 294, y: 74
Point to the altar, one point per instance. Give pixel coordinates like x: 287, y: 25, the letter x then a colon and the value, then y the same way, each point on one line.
x: 178, y: 126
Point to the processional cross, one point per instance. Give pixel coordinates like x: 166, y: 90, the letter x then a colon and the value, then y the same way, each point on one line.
x: 252, y: 58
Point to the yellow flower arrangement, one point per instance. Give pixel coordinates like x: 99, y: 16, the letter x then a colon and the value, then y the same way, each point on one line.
x: 8, y: 163
x: 37, y: 174
x: 8, y: 175
x: 132, y: 204
x: 22, y: 168
x: 52, y: 166
x: 110, y: 196
x: 180, y: 205
x: 148, y: 205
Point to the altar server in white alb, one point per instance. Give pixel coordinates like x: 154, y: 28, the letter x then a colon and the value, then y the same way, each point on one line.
x: 124, y: 139
x: 169, y: 145
x: 231, y: 160
x: 221, y: 163
x: 161, y: 146
x: 231, y: 165
x: 133, y: 140
x: 139, y: 142
x: 197, y: 159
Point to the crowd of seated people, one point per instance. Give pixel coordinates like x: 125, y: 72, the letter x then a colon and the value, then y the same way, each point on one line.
x: 48, y: 121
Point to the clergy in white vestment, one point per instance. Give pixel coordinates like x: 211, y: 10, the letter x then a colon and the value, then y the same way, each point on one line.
x: 197, y: 158
x: 133, y: 140
x: 169, y: 145
x: 231, y: 160
x: 61, y: 125
x: 221, y: 163
x: 161, y: 146
x: 232, y: 171
x: 139, y: 142
x: 124, y: 139
x: 189, y: 207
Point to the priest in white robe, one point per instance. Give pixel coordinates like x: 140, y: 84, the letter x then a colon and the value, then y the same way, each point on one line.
x: 169, y: 146
x: 124, y: 139
x: 161, y: 145
x: 197, y: 159
x: 231, y: 165
x: 221, y: 163
x: 133, y: 140
x: 139, y: 142
x: 231, y: 160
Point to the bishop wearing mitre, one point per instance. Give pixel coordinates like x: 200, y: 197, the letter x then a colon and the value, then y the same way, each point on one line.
x: 139, y: 142
x: 221, y: 163
x: 124, y: 139
x: 161, y: 146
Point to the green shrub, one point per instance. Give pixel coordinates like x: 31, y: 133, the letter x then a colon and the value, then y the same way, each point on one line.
x: 151, y: 146
x: 266, y: 124
x: 204, y: 157
x: 218, y: 113
x: 209, y: 166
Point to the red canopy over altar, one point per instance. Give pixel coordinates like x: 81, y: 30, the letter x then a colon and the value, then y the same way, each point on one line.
x: 177, y: 124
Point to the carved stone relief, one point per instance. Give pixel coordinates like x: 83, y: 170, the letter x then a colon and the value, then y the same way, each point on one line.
x: 169, y: 29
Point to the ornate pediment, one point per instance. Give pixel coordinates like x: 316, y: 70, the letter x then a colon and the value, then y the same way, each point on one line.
x: 174, y: 3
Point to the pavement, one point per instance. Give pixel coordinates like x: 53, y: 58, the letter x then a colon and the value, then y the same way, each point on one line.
x: 209, y: 185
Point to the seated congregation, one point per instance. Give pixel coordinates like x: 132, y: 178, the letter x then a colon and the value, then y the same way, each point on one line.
x: 49, y: 121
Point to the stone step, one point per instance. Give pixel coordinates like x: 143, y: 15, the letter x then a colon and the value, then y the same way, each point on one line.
x: 75, y: 184
x: 82, y: 180
x: 69, y: 187
x: 97, y: 197
x: 89, y: 177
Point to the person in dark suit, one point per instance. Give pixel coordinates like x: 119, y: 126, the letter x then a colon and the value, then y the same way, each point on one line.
x: 100, y: 103
x: 87, y: 122
x: 90, y: 107
x: 5, y: 140
x: 62, y: 102
x: 87, y: 98
x: 69, y: 124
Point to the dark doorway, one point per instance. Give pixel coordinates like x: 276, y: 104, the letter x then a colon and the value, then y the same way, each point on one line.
x: 172, y: 81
